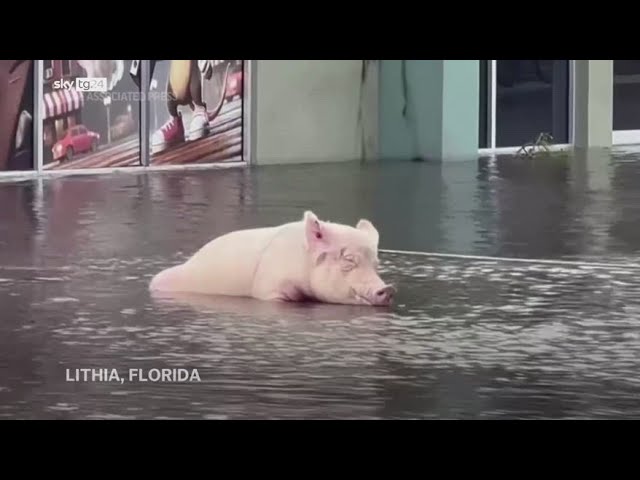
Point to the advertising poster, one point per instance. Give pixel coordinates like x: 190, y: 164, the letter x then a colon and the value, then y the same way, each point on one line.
x: 16, y: 115
x: 91, y: 114
x: 196, y: 111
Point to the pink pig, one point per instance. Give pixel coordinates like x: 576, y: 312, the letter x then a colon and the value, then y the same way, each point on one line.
x: 307, y: 260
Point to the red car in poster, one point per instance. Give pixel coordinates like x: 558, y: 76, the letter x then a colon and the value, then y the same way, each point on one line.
x: 234, y: 85
x: 78, y: 139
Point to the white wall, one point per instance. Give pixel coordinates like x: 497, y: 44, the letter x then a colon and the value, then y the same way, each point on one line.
x: 307, y: 111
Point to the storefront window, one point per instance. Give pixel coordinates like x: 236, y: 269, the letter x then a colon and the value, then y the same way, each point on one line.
x: 108, y: 116
x: 626, y: 95
x: 195, y: 115
x: 532, y: 98
x: 196, y: 111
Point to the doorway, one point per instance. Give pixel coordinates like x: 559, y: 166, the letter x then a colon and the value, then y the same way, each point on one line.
x: 522, y: 99
x: 626, y: 102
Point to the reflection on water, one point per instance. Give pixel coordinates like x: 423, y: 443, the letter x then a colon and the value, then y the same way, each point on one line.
x: 466, y: 339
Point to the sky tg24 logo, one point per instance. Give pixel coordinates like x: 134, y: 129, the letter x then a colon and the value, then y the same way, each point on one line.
x: 82, y: 84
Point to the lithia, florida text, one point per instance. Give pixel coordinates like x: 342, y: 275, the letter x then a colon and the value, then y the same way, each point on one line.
x: 169, y: 375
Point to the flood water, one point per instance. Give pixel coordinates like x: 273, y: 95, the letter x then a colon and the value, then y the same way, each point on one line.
x: 468, y: 338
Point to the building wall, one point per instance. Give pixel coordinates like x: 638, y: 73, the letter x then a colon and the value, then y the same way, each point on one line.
x: 308, y: 111
x: 594, y: 103
x: 429, y: 109
x: 410, y: 115
x: 301, y: 111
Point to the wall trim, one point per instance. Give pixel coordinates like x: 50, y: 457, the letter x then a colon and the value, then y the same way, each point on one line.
x: 249, y: 104
x: 33, y: 174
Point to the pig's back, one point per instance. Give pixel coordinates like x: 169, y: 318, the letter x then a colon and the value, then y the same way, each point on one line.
x: 226, y: 265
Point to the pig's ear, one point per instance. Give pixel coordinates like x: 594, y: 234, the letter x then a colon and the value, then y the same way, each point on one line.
x: 315, y: 232
x: 367, y: 227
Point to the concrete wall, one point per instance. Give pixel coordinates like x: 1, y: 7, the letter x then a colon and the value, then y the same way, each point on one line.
x: 593, y: 103
x: 460, y: 109
x: 411, y: 135
x: 308, y: 111
x: 442, y: 109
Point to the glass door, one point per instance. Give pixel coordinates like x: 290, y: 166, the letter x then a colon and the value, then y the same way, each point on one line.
x: 626, y: 101
x: 522, y: 100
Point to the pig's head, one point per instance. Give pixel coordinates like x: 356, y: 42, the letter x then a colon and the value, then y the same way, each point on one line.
x: 343, y: 263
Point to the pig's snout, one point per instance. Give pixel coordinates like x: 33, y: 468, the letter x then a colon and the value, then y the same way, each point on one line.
x: 383, y: 296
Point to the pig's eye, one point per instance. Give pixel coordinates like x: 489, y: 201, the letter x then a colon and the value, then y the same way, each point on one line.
x: 348, y: 262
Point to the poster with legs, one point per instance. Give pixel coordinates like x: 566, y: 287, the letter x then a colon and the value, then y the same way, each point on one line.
x: 196, y: 111
x: 16, y: 115
x: 91, y: 115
